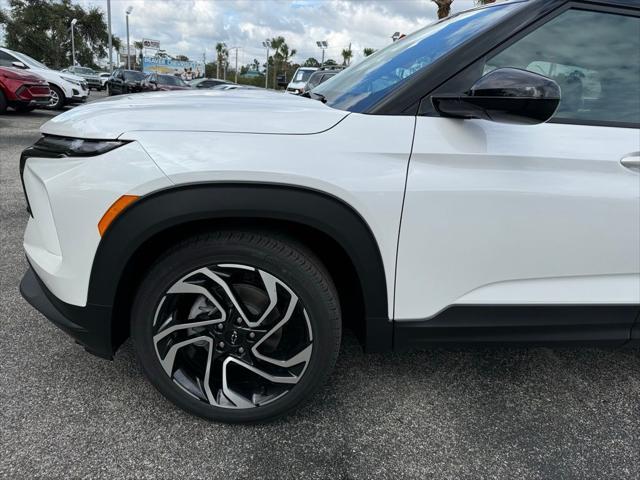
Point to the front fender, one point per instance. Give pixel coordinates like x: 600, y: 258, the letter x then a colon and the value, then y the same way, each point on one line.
x: 168, y: 208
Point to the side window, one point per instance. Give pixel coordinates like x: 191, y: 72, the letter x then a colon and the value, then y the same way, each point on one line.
x: 593, y: 56
x: 6, y: 60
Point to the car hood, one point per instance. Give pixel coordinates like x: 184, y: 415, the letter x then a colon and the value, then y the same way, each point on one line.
x: 242, y: 111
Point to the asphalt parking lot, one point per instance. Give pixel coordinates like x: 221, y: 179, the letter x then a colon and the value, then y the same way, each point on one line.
x: 456, y: 413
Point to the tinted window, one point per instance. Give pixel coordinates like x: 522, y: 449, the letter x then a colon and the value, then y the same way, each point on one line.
x: 363, y: 85
x: 170, y: 80
x: 133, y: 76
x: 314, y: 81
x: 594, y: 57
x: 6, y: 60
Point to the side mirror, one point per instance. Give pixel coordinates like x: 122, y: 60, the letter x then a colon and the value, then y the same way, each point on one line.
x: 19, y: 65
x: 506, y: 95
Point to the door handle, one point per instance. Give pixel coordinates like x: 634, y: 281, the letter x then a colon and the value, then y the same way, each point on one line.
x: 632, y: 161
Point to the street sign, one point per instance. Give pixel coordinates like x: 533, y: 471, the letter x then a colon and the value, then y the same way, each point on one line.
x: 152, y: 44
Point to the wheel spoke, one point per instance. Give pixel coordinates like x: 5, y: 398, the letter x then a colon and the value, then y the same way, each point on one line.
x: 241, y: 401
x: 186, y: 287
x: 300, y: 357
x: 170, y: 357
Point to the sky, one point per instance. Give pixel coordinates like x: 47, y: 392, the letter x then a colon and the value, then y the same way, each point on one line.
x: 193, y: 27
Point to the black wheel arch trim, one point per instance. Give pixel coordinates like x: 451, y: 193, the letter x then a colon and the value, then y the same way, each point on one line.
x: 168, y: 208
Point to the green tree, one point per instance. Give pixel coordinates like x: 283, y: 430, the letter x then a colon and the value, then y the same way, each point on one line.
x: 346, y: 53
x: 281, y: 56
x: 40, y: 29
x: 311, y: 62
x: 221, y: 56
x: 368, y: 51
x: 182, y: 58
x: 256, y: 65
x: 210, y: 69
x: 330, y: 62
x: 138, y: 47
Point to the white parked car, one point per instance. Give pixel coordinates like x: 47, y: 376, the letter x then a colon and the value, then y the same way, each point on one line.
x: 66, y: 88
x: 299, y: 80
x: 104, y: 76
x: 448, y: 192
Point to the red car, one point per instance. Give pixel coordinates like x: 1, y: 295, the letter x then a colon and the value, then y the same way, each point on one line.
x: 22, y: 90
x: 156, y: 81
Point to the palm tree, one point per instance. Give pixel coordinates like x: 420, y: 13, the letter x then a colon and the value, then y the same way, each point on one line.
x: 444, y: 7
x: 281, y: 55
x: 368, y: 51
x: 221, y: 52
x: 347, y: 53
x: 276, y: 43
x: 139, y: 48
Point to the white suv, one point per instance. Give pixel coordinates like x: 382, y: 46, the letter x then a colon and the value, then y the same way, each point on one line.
x: 476, y: 181
x: 65, y: 88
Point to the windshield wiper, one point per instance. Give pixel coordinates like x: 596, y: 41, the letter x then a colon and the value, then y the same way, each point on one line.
x: 315, y: 96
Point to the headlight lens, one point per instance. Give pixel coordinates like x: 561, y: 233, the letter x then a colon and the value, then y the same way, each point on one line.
x: 75, y: 147
x: 71, y: 80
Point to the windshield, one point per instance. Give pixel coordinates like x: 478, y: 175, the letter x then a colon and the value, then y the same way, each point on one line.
x: 361, y: 86
x: 30, y: 62
x: 133, y: 76
x: 170, y: 80
x: 302, y: 75
x: 83, y: 71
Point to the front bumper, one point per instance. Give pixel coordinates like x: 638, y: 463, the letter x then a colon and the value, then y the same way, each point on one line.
x: 77, y: 99
x: 90, y: 326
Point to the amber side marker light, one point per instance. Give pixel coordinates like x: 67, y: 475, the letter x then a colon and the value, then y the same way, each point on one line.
x: 114, y: 210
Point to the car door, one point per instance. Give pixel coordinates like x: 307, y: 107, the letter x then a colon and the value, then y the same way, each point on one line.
x: 117, y: 82
x: 546, y: 215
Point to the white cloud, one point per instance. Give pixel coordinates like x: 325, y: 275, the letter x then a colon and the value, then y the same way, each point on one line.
x: 193, y: 27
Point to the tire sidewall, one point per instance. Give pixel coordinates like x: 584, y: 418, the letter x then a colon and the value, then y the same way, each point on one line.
x: 176, y: 265
x: 3, y: 103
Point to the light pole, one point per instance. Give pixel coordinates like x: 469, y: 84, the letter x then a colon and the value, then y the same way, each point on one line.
x: 236, y: 49
x: 323, y: 45
x: 128, y: 12
x: 110, y: 40
x: 73, y: 43
x: 267, y: 44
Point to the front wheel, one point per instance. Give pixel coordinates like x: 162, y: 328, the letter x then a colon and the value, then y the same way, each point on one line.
x: 237, y: 326
x: 56, y: 100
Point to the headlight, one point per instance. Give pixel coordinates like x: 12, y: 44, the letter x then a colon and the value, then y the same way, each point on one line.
x: 71, y: 80
x: 74, y: 147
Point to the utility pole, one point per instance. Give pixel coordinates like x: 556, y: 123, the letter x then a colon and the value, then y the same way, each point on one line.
x: 73, y: 43
x: 236, y: 64
x: 110, y: 40
x: 236, y: 49
x: 266, y: 44
x: 128, y: 12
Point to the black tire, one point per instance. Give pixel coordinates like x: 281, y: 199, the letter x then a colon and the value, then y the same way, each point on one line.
x: 58, y: 104
x: 286, y: 260
x: 109, y: 91
x: 3, y: 103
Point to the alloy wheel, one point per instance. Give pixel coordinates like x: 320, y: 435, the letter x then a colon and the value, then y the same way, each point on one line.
x: 232, y: 336
x: 53, y: 99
